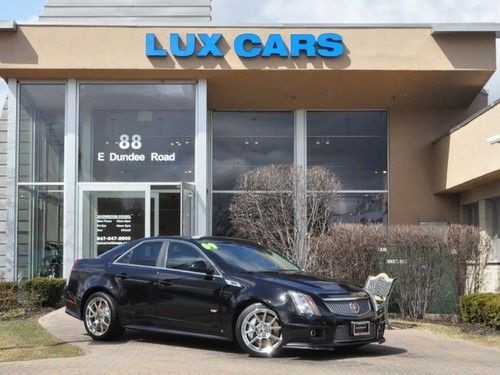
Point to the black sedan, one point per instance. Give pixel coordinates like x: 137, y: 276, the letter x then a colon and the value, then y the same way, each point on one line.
x: 220, y: 288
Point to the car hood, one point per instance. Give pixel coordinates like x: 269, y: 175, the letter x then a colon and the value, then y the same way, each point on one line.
x: 306, y: 282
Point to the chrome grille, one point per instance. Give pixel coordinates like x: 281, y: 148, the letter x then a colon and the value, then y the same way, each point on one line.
x: 349, y: 307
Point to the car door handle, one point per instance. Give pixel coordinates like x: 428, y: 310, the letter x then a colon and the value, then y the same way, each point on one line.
x: 121, y: 276
x: 164, y: 283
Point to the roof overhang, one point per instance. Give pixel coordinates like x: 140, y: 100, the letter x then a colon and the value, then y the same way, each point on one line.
x: 384, y: 65
x: 455, y: 28
x: 8, y: 25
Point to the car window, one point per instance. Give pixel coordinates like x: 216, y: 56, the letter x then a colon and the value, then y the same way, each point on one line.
x: 181, y: 255
x: 145, y: 254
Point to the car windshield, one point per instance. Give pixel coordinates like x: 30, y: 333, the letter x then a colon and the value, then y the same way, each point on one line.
x: 245, y: 257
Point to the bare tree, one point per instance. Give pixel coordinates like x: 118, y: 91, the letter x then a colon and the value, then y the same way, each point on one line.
x: 284, y: 210
x: 471, y: 249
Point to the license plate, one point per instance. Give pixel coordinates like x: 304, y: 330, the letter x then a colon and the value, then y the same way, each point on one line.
x: 360, y: 328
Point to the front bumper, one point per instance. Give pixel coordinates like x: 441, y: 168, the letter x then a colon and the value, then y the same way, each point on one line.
x: 329, y: 335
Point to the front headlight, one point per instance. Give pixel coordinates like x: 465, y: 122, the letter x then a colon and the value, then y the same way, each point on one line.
x: 304, y: 304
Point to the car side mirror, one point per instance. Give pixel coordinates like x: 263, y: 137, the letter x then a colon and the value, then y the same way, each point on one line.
x: 200, y: 266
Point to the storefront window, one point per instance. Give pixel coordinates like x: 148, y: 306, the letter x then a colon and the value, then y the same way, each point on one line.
x: 362, y: 208
x: 41, y: 133
x: 493, y: 208
x: 221, y: 220
x: 136, y: 133
x: 40, y: 231
x: 353, y: 146
x: 41, y: 160
x: 470, y: 214
x: 244, y: 141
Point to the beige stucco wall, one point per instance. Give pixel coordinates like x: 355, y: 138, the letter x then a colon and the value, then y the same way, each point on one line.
x: 425, y: 81
x: 411, y: 166
x: 465, y: 159
x: 97, y: 48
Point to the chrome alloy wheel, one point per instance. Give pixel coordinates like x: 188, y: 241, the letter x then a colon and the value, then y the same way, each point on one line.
x: 261, y: 330
x: 98, y: 316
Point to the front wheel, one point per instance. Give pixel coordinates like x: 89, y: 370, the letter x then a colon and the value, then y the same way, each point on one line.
x: 258, y: 331
x: 101, y: 319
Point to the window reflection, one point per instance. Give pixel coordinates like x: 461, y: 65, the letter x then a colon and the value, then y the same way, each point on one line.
x: 221, y: 221
x: 362, y: 208
x: 243, y: 141
x: 39, y: 231
x: 41, y: 133
x: 119, y: 123
x: 353, y: 145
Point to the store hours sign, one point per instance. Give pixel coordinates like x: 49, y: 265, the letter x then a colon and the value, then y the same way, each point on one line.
x: 133, y: 143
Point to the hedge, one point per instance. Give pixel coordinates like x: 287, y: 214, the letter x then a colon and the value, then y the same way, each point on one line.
x: 481, y: 308
x: 45, y: 291
x: 8, y: 295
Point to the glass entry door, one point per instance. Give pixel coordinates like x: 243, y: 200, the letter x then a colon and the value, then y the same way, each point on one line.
x: 111, y: 216
x: 114, y: 214
x: 165, y: 212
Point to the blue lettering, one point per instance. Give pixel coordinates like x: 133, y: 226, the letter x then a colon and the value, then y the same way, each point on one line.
x: 275, y: 46
x: 249, y: 45
x: 331, y: 44
x: 175, y: 45
x: 242, y: 39
x: 303, y: 43
x: 210, y: 45
x: 151, y: 50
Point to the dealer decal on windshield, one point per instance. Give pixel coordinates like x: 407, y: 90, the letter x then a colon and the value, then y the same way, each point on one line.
x: 209, y: 246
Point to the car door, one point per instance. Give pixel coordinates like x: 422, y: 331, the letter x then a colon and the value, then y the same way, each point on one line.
x: 135, y: 274
x: 189, y: 298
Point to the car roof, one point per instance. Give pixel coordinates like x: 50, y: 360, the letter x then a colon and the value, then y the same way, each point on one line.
x: 195, y: 239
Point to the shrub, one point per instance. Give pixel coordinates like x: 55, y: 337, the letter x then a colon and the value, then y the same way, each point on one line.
x: 431, y: 263
x: 417, y: 255
x: 481, y: 308
x: 471, y: 250
x: 350, y: 252
x: 44, y: 291
x: 8, y: 295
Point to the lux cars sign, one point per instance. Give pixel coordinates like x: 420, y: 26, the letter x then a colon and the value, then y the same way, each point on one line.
x: 248, y: 45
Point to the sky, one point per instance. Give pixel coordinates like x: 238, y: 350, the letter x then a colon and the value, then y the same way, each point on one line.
x: 326, y: 11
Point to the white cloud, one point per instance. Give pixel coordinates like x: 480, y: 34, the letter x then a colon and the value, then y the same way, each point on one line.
x: 356, y: 11
x: 361, y: 11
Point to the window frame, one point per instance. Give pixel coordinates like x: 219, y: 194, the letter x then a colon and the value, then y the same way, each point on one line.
x: 163, y: 257
x: 81, y: 83
x: 217, y: 272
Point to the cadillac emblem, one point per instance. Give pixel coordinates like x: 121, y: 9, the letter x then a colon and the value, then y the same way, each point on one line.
x: 354, y: 307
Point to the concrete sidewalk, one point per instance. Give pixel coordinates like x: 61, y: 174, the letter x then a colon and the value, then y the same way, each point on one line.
x: 408, y: 351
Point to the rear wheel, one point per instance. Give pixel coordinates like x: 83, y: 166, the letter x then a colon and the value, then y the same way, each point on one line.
x: 100, y: 317
x: 258, y: 331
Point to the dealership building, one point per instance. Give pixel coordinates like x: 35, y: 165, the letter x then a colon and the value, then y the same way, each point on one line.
x: 122, y: 121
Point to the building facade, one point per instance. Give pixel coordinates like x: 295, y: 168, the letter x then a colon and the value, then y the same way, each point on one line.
x: 123, y: 122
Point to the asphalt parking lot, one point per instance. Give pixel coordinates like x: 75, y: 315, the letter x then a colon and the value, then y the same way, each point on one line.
x: 407, y: 351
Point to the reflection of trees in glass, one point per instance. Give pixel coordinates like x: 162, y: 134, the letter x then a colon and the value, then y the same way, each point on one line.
x: 362, y: 208
x: 40, y: 232
x: 275, y: 208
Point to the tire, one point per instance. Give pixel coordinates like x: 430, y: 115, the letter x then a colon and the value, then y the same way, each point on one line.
x: 100, y: 317
x: 258, y: 331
